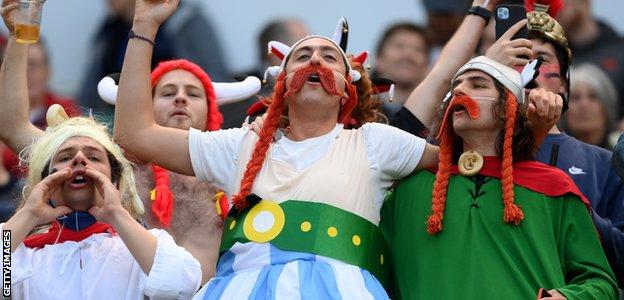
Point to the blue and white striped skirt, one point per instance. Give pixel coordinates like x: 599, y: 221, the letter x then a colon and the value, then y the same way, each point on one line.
x: 262, y: 271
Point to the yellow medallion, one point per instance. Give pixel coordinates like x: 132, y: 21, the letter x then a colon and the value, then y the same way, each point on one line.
x: 470, y: 163
x: 264, y: 222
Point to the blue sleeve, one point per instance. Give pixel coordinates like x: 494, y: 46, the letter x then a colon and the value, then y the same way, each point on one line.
x: 610, y: 224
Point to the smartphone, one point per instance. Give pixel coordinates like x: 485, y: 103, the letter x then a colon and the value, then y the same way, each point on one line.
x: 507, y: 16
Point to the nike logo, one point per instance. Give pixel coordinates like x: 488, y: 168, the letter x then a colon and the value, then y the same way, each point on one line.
x: 575, y: 171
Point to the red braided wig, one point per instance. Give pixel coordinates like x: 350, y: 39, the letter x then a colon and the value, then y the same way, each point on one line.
x: 163, y: 199
x: 262, y: 145
x: 446, y: 136
x: 512, y: 214
x: 277, y: 108
x: 215, y: 119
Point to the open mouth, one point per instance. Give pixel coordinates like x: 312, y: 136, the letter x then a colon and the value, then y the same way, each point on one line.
x: 79, y: 180
x: 459, y: 108
x: 314, y: 78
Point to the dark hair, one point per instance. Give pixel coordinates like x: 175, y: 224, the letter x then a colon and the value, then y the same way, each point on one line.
x: 399, y: 27
x: 523, y: 141
x: 564, y: 63
x: 276, y: 30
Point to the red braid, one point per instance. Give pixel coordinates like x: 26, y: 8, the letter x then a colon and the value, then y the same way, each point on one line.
x: 344, y: 116
x: 440, y: 185
x: 512, y: 213
x: 162, y: 205
x: 262, y: 145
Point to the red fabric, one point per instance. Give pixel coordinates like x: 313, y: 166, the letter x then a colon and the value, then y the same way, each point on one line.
x: 215, y: 119
x: 162, y: 203
x: 554, y: 8
x: 52, y: 236
x: 258, y: 108
x: 361, y: 58
x: 552, y: 181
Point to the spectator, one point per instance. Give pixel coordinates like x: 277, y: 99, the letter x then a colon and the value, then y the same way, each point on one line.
x: 402, y: 56
x: 286, y: 31
x: 593, y: 106
x: 444, y: 17
x: 593, y: 41
x: 194, y: 40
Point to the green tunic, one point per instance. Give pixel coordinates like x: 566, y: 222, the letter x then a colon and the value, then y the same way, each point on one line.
x: 478, y: 256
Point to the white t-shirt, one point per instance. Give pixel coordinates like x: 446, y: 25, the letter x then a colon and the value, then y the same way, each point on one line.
x: 392, y: 154
x: 102, y: 267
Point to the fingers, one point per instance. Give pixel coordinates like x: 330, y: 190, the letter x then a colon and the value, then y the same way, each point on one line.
x: 96, y: 212
x: 513, y: 30
x: 521, y: 43
x: 536, y: 97
x: 48, y: 185
x: 547, y: 105
x: 8, y: 6
x: 521, y: 51
x: 102, y: 183
x: 61, y: 211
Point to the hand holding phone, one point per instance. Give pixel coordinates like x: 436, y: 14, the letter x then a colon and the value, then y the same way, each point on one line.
x: 511, y: 52
x: 507, y: 16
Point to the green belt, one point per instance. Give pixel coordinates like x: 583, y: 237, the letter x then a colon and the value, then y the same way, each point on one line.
x: 312, y: 228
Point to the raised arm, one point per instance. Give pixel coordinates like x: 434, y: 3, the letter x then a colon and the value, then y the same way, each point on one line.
x: 15, y: 128
x: 428, y: 95
x: 135, y: 128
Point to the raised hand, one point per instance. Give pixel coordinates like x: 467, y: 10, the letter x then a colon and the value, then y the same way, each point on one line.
x: 490, y: 5
x: 111, y: 207
x: 154, y: 12
x: 37, y: 203
x: 8, y: 13
x: 543, y: 112
x: 507, y: 51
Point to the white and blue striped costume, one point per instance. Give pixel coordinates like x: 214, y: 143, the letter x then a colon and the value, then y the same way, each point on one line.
x: 261, y: 271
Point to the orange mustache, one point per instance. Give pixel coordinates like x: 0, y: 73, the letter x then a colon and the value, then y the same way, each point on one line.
x: 462, y: 100
x: 301, y: 76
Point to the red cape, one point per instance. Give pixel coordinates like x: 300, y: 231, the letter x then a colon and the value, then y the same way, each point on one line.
x: 533, y: 175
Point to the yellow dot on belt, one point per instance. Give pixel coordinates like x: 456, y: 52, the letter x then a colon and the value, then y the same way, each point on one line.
x: 232, y: 224
x: 332, y: 231
x: 306, y: 226
x: 356, y: 240
x: 381, y: 259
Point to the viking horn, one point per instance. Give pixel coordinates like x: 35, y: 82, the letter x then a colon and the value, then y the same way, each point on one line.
x: 107, y: 88
x: 278, y: 49
x: 361, y: 58
x: 56, y: 115
x: 341, y: 35
x: 236, y: 91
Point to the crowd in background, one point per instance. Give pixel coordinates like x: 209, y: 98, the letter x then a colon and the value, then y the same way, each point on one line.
x: 405, y: 53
